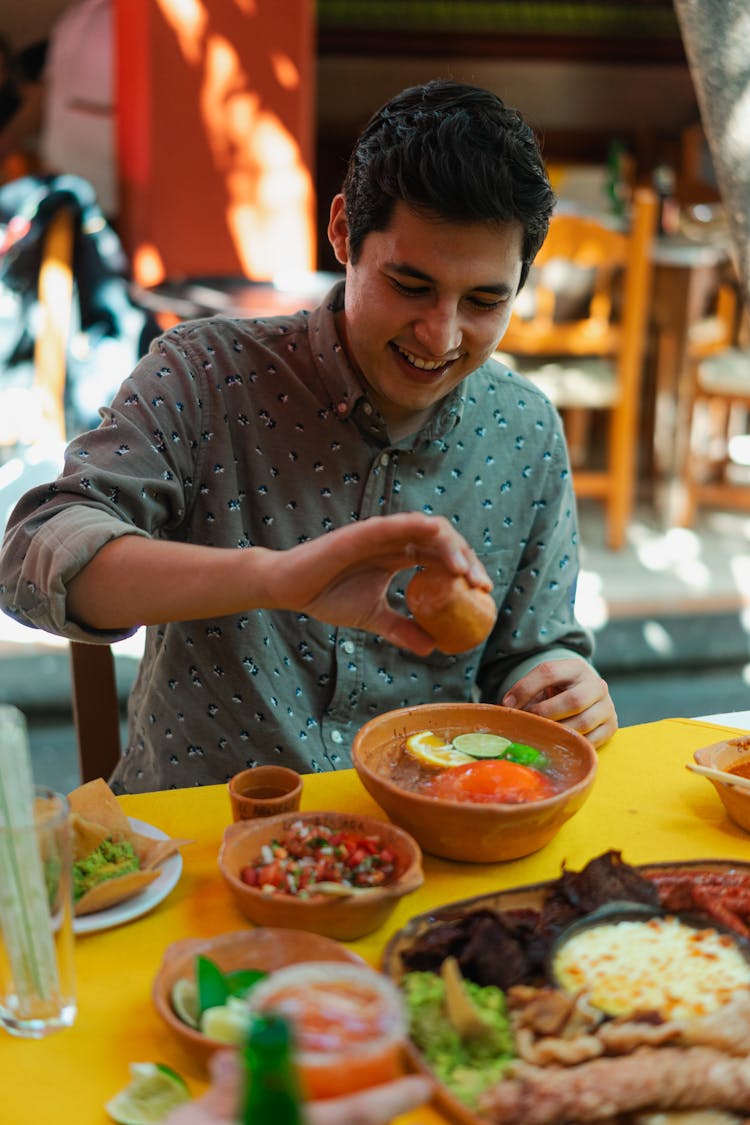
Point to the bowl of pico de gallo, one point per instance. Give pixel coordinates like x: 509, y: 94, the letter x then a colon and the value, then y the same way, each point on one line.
x: 332, y: 873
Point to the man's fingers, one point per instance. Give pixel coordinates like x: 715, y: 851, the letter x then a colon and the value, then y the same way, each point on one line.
x: 376, y: 1106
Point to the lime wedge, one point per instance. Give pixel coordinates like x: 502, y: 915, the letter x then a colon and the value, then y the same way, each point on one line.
x: 185, y: 1001
x: 525, y: 755
x: 153, y: 1091
x: 228, y: 1023
x: 478, y: 744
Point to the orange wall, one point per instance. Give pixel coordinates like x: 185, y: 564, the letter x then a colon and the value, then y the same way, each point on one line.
x: 216, y: 108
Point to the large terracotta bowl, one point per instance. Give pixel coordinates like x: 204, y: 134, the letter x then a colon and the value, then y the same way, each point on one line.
x: 343, y: 918
x: 721, y: 756
x: 265, y: 949
x: 476, y: 833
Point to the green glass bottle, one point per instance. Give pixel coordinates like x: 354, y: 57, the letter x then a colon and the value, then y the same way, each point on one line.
x: 272, y: 1089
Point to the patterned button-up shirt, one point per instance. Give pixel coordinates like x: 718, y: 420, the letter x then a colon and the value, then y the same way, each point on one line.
x: 236, y: 433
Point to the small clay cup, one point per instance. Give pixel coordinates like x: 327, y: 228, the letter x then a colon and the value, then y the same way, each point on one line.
x: 264, y: 791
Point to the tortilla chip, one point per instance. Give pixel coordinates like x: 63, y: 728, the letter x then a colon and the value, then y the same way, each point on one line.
x: 112, y: 891
x: 96, y: 802
x: 87, y: 836
x: 156, y: 852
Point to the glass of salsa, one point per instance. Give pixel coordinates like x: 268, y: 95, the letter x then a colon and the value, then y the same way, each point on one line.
x: 348, y: 1022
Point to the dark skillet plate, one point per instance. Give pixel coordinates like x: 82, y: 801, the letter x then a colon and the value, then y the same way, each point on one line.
x: 527, y: 897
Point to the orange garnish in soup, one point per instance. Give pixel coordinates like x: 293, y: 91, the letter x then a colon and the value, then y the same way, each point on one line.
x: 491, y: 781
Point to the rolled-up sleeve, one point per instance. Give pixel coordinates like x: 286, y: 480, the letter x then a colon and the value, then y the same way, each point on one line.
x: 37, y: 568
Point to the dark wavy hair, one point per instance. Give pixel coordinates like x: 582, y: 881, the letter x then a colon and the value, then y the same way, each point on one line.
x: 450, y: 150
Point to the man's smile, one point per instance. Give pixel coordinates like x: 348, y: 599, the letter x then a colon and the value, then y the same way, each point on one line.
x: 429, y: 365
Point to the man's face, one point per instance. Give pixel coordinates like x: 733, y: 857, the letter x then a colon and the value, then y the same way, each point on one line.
x: 426, y: 304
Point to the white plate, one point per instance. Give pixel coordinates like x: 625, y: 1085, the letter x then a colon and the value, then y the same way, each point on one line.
x: 139, y: 904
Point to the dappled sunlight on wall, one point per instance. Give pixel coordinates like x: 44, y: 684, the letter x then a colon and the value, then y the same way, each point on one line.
x: 269, y: 192
x: 227, y: 92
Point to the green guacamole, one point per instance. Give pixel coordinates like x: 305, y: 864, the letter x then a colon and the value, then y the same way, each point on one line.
x: 106, y: 862
x: 466, y: 1068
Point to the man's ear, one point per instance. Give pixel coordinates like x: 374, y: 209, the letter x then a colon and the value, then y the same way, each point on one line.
x: 338, y: 230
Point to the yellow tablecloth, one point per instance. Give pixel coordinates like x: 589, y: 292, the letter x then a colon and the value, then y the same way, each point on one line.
x: 644, y: 803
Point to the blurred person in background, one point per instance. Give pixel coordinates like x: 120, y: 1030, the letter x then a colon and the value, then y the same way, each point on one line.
x: 62, y: 99
x: 78, y: 125
x: 21, y: 107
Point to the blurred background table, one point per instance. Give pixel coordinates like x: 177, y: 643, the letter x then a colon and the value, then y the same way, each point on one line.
x: 186, y: 298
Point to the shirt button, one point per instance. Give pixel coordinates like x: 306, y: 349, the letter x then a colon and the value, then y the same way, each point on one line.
x: 337, y: 736
x: 384, y: 458
x: 367, y: 408
x: 348, y: 647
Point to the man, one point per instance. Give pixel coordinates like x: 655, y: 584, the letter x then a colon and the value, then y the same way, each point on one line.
x: 257, y: 489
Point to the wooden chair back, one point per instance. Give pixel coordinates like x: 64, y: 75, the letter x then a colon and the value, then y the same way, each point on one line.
x: 583, y: 341
x: 696, y: 176
x: 96, y: 708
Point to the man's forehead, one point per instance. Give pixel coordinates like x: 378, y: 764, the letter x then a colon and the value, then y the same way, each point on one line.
x: 486, y: 254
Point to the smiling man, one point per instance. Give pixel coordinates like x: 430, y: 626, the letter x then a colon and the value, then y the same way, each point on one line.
x: 259, y: 492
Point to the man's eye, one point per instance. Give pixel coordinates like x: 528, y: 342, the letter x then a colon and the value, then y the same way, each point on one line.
x: 408, y: 290
x: 485, y: 305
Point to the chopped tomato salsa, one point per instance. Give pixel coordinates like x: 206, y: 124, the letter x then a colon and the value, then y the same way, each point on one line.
x: 308, y: 854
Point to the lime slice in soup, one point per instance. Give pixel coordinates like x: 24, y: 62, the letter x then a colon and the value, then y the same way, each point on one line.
x: 479, y: 744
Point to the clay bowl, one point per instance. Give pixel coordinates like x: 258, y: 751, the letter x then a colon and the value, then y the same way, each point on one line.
x: 344, y: 918
x: 476, y: 833
x: 721, y: 756
x: 267, y: 949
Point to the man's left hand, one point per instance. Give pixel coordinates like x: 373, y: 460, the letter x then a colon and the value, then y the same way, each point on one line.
x: 572, y: 693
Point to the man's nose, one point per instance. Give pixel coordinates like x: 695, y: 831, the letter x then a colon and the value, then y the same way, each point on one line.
x: 438, y: 329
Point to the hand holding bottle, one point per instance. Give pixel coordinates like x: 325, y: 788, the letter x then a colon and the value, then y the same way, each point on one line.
x: 376, y: 1106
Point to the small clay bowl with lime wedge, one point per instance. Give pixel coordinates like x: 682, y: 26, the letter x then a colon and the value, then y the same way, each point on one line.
x: 464, y: 807
x: 265, y: 949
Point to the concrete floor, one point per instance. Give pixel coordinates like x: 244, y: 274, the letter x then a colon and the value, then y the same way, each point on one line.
x: 670, y: 614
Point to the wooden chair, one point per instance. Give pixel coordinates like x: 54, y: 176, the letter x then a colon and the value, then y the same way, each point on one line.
x: 578, y: 331
x: 96, y: 708
x: 95, y: 701
x: 696, y: 176
x: 716, y: 458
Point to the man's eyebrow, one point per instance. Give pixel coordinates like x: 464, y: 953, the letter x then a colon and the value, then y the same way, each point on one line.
x: 499, y: 288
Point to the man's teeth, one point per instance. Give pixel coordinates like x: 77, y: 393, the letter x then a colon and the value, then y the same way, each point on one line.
x: 422, y: 364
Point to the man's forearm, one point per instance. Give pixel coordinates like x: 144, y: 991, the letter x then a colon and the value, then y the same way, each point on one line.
x: 135, y: 581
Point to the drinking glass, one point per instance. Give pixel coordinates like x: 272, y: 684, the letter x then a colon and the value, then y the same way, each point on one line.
x: 37, y: 971
x: 264, y: 791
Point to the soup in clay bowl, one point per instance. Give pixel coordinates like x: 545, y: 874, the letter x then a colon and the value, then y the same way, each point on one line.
x: 730, y: 755
x: 433, y: 807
